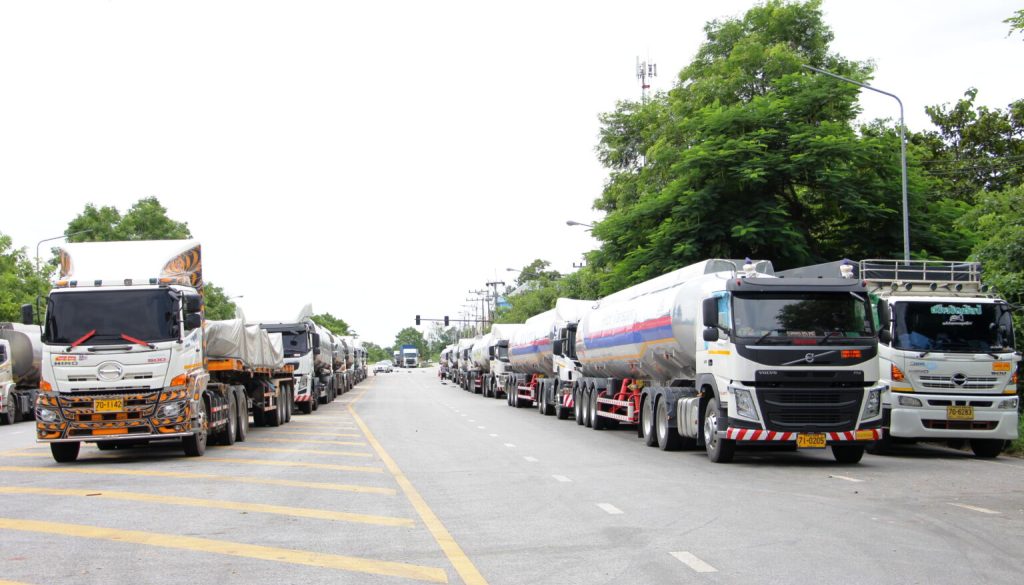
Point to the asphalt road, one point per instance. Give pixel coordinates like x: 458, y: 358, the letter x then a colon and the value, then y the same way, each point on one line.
x: 407, y: 480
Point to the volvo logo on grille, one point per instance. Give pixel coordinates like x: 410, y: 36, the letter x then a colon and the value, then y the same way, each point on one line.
x: 809, y: 358
x: 959, y: 379
x: 109, y: 371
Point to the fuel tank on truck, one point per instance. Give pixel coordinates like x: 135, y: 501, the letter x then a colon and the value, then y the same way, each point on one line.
x: 461, y: 356
x: 653, y: 332
x: 530, y: 348
x: 26, y: 351
x: 479, y: 355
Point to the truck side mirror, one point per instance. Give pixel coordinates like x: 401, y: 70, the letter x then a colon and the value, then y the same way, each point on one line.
x: 193, y: 321
x: 193, y: 303
x: 710, y: 309
x: 710, y: 334
x: 26, y: 314
x: 883, y: 314
x: 556, y: 346
x: 316, y: 344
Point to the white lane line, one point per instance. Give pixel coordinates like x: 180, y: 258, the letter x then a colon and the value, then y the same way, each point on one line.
x: 561, y: 478
x: 610, y: 509
x: 472, y: 420
x: 853, y: 479
x: 463, y: 414
x: 481, y: 428
x: 531, y: 459
x: 973, y: 508
x: 510, y: 445
x: 693, y: 562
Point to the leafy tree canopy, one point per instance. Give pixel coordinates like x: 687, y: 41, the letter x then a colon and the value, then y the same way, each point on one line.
x: 146, y: 220
x: 218, y: 305
x: 410, y: 336
x: 333, y: 324
x: 20, y: 283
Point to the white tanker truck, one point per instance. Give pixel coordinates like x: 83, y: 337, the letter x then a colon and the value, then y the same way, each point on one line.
x: 723, y: 352
x: 479, y: 363
x: 20, y: 366
x: 495, y: 381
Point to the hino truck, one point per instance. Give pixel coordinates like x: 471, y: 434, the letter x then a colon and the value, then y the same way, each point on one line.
x: 723, y: 352
x: 946, y: 353
x: 20, y: 361
x: 125, y: 358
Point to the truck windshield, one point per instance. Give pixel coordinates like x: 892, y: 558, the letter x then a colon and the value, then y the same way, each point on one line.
x: 104, y: 317
x: 295, y: 343
x: 801, y: 318
x: 952, y: 327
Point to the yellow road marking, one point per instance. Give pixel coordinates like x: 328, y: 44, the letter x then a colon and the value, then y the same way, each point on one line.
x: 273, y: 463
x: 3, y: 582
x: 342, y: 443
x: 465, y: 567
x: 311, y: 451
x: 235, y: 549
x: 339, y: 487
x: 216, y: 504
x: 314, y: 434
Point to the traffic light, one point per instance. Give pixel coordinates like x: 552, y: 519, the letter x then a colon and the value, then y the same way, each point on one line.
x: 446, y: 320
x: 417, y: 319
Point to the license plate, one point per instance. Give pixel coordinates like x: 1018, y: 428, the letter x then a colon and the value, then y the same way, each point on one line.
x: 810, y: 440
x: 110, y: 405
x: 960, y: 412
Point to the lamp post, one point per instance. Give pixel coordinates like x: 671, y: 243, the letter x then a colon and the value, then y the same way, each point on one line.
x: 903, y: 153
x: 580, y: 223
x: 56, y: 238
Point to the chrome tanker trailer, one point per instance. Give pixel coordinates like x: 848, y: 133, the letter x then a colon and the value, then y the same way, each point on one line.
x: 723, y: 352
x: 479, y: 363
x: 497, y: 351
x: 20, y: 365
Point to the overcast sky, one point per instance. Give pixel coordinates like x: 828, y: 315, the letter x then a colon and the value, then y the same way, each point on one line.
x: 381, y: 159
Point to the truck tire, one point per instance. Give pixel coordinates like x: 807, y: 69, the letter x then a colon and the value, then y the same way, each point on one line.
x: 647, y: 423
x: 585, y: 407
x: 848, y: 454
x: 547, y: 398
x: 106, y: 445
x: 230, y: 432
x: 562, y: 412
x: 65, y: 452
x: 881, y: 446
x: 195, y: 445
x: 305, y: 408
x: 668, y: 438
x: 289, y: 404
x: 577, y: 405
x: 259, y: 416
x: 987, y: 448
x: 9, y: 415
x: 719, y: 450
x: 597, y: 422
x: 243, y: 419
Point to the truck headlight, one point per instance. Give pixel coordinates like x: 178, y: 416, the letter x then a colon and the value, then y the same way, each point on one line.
x: 745, y: 403
x: 47, y: 414
x: 1009, y: 404
x: 909, y: 401
x: 873, y: 405
x: 171, y: 409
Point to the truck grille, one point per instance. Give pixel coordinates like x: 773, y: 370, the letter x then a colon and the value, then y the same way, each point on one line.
x: 811, y: 410
x: 946, y: 383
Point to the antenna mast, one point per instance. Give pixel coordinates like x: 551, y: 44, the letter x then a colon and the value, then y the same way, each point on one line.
x: 645, y: 70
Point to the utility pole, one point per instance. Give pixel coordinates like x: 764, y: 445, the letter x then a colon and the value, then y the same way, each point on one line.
x: 494, y: 285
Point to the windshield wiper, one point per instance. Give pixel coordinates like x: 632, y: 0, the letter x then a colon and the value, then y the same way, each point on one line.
x: 138, y: 341
x: 80, y: 340
x: 765, y: 336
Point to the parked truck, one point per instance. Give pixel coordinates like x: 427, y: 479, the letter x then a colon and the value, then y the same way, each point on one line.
x: 946, y: 353
x: 723, y: 352
x: 124, y: 354
x: 20, y: 366
x: 304, y: 350
x: 410, y: 356
x: 499, y: 371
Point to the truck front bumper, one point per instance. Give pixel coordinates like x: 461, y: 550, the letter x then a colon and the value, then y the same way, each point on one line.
x: 931, y: 422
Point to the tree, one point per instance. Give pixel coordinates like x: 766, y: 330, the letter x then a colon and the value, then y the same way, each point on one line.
x: 146, y: 220
x: 410, y: 336
x: 376, y: 353
x: 333, y: 324
x: 218, y: 306
x: 439, y: 337
x: 20, y: 283
x: 750, y: 155
x: 1016, y: 22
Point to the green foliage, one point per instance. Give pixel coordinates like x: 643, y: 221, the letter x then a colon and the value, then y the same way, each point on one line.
x: 146, y: 220
x: 20, y: 283
x: 376, y: 353
x: 218, y: 306
x: 410, y: 336
x: 438, y: 337
x: 1016, y: 23
x: 997, y: 220
x: 538, y: 294
x: 751, y: 155
x: 333, y: 324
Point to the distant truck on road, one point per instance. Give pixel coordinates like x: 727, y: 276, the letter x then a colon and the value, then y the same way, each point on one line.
x: 410, y: 356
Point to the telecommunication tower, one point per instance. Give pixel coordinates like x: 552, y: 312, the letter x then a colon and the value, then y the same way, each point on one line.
x: 645, y: 70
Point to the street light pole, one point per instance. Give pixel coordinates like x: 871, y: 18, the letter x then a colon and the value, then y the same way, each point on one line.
x: 572, y: 223
x: 55, y: 238
x: 903, y: 153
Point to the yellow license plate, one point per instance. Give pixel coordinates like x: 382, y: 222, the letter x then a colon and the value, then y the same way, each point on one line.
x: 110, y: 405
x: 960, y: 412
x: 810, y: 440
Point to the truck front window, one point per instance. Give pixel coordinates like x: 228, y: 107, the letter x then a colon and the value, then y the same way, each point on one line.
x: 952, y: 326
x: 783, y: 316
x: 103, y: 317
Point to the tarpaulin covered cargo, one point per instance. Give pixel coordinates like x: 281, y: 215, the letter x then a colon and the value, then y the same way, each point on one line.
x: 232, y: 338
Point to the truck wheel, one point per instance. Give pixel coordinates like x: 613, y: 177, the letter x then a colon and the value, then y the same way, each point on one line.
x: 585, y: 407
x: 577, y: 406
x: 597, y: 422
x: 243, y: 420
x: 195, y: 445
x: 259, y: 417
x: 10, y: 414
x: 719, y: 450
x: 305, y: 408
x: 106, y: 445
x: 647, y: 423
x: 987, y: 448
x: 290, y: 403
x: 541, y: 399
x: 668, y: 439
x: 230, y: 432
x: 847, y: 453
x: 561, y: 411
x: 65, y: 452
x: 547, y: 408
x: 881, y: 446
